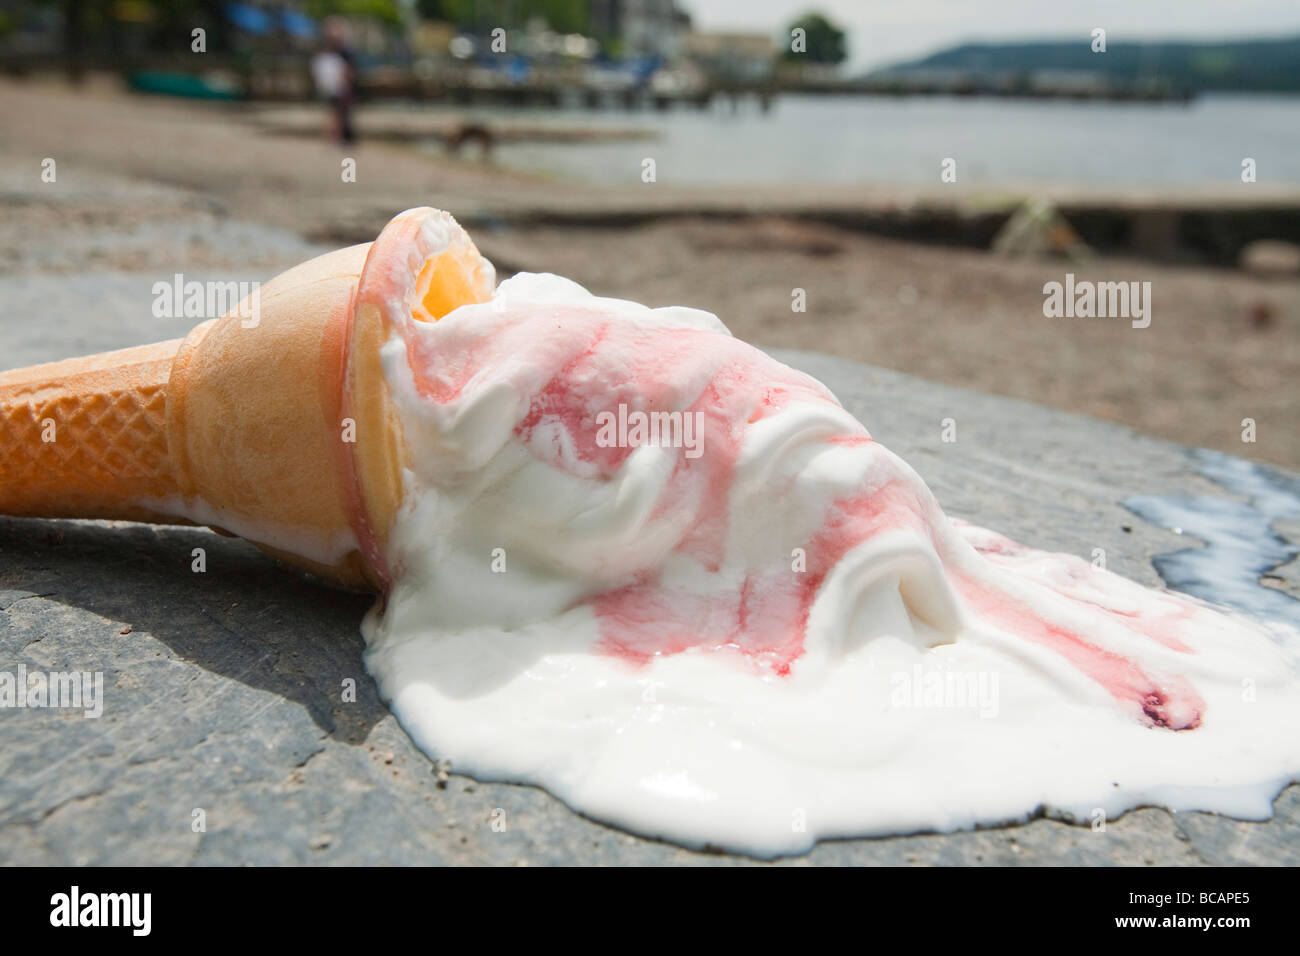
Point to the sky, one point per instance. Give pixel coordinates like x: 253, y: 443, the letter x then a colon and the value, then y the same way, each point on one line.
x: 887, y: 31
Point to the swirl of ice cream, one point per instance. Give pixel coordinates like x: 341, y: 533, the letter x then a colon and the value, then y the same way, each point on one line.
x: 648, y: 567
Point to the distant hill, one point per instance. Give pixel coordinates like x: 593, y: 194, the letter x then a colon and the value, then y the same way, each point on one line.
x: 1243, y: 65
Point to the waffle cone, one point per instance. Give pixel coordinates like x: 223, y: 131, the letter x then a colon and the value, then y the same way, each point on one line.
x: 272, y: 423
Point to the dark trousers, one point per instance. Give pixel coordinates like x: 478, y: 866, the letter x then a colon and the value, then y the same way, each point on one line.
x: 342, y: 107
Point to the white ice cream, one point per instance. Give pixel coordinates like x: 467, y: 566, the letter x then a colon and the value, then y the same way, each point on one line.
x: 779, y: 638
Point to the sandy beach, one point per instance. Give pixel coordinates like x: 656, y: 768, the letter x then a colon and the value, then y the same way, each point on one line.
x: 159, y: 186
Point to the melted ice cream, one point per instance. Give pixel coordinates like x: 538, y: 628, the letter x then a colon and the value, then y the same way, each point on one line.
x: 775, y: 636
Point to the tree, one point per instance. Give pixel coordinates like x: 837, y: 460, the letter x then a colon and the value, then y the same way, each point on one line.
x: 562, y: 16
x: 824, y: 42
x: 385, y: 11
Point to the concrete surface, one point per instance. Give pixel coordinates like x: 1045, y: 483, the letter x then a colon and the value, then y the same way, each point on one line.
x: 223, y: 689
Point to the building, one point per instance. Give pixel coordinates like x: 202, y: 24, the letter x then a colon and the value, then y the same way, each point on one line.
x: 641, y: 27
x: 733, y: 57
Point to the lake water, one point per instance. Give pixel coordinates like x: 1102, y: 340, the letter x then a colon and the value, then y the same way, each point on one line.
x: 882, y: 139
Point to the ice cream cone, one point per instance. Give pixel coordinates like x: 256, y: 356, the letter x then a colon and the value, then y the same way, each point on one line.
x: 272, y: 422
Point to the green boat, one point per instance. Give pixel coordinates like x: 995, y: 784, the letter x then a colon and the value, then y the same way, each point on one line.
x: 191, y: 85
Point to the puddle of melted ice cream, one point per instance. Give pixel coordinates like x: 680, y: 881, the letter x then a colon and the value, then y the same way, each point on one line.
x: 778, y: 636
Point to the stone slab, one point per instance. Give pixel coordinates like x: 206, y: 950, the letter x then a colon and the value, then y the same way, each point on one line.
x: 223, y: 689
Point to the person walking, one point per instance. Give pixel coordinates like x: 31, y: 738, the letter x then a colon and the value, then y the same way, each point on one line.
x: 333, y: 70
